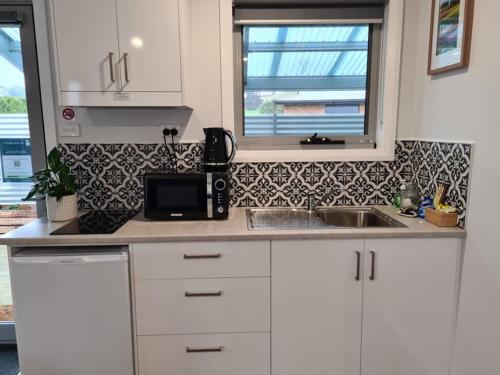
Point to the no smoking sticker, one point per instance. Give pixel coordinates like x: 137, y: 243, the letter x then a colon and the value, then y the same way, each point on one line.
x: 68, y: 114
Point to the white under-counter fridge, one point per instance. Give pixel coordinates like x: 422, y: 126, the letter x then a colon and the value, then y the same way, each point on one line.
x: 72, y: 310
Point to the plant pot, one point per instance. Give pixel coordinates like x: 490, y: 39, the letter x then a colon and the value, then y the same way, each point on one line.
x: 64, y: 209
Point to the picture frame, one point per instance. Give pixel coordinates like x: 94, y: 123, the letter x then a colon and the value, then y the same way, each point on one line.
x: 450, y: 35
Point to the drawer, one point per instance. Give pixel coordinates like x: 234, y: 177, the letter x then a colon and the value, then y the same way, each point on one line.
x: 203, y: 305
x: 201, y: 259
x: 241, y: 353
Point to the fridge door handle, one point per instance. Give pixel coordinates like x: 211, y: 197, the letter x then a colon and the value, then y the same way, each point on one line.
x: 68, y: 260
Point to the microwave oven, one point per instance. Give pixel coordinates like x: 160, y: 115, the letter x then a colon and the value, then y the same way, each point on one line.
x: 186, y: 196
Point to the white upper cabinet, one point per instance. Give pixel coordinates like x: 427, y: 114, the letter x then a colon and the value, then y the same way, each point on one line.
x: 118, y: 52
x: 87, y: 45
x: 409, y: 306
x: 149, y: 45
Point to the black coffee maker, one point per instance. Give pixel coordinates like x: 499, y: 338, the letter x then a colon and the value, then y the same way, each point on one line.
x: 216, y: 157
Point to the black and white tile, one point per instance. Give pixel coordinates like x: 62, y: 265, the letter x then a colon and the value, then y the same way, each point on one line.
x: 110, y: 175
x: 436, y: 163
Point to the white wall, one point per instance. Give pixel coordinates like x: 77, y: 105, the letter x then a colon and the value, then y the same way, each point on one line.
x: 407, y: 116
x: 465, y: 106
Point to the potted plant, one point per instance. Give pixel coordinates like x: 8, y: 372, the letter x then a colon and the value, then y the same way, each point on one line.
x: 57, y: 186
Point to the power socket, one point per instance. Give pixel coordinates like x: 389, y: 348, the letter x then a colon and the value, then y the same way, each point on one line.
x: 170, y: 130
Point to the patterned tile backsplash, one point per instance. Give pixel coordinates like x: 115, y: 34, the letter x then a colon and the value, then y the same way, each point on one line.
x: 110, y: 175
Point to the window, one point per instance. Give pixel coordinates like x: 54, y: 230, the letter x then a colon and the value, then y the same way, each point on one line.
x: 301, y: 71
x: 22, y: 140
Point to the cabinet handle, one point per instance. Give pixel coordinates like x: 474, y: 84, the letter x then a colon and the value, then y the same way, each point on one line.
x: 125, y: 62
x: 204, y: 350
x: 358, y: 265
x: 111, y: 67
x: 372, y: 274
x: 203, y: 256
x: 208, y: 294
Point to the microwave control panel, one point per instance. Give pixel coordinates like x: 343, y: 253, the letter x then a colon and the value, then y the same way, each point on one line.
x: 220, y: 193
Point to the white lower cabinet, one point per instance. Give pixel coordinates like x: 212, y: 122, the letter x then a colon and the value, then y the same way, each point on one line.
x: 217, y: 354
x: 346, y: 307
x: 203, y: 308
x: 398, y: 319
x: 409, y: 306
x: 316, y: 307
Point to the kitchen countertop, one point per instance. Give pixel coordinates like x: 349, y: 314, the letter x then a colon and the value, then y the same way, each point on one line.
x: 140, y: 229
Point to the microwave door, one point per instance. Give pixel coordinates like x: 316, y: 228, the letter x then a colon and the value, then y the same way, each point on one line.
x: 183, y: 198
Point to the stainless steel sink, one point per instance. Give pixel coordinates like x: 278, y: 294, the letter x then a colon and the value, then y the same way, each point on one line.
x: 321, y: 218
x: 355, y: 217
x: 283, y: 218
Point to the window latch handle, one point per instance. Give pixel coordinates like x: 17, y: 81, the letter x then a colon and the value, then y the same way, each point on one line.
x: 315, y: 140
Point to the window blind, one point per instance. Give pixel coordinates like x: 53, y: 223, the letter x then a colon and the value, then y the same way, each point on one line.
x: 259, y: 12
x: 8, y: 17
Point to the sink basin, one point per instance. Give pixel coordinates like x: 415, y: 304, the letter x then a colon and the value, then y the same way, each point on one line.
x: 283, y: 218
x: 321, y: 218
x: 356, y: 218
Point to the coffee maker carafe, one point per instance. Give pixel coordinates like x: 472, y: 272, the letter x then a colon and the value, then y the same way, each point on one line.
x: 216, y: 157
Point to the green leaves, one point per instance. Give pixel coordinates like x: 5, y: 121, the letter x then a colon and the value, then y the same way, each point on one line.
x: 54, y: 160
x: 10, y: 104
x: 54, y: 181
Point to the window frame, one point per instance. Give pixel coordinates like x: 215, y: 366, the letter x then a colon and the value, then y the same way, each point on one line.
x: 366, y: 141
x: 29, y: 47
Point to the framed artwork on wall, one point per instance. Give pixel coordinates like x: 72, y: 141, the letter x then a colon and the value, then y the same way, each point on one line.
x: 450, y: 36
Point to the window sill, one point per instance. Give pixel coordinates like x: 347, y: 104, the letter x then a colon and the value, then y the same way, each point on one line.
x: 378, y: 154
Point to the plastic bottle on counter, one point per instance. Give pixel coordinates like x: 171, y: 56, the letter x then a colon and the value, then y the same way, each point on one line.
x: 409, y: 198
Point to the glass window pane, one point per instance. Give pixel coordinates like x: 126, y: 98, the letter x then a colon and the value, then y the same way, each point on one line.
x: 15, y: 147
x: 298, y: 79
x: 15, y: 153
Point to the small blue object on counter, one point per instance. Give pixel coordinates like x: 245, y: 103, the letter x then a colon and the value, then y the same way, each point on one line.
x: 425, y: 203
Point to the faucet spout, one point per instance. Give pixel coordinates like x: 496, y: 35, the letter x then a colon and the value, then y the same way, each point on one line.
x: 312, y: 203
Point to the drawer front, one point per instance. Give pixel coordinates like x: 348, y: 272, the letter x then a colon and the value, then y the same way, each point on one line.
x: 203, y: 306
x: 201, y: 259
x: 222, y: 354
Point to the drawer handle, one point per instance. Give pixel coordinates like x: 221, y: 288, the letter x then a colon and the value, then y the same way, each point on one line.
x: 209, y: 294
x: 204, y: 350
x: 202, y: 256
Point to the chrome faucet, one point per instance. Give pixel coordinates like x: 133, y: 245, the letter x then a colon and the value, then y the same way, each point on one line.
x: 312, y: 203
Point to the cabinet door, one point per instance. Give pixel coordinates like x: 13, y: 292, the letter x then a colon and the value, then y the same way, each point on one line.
x: 87, y: 45
x: 202, y: 61
x: 409, y: 306
x: 149, y: 45
x: 315, y: 307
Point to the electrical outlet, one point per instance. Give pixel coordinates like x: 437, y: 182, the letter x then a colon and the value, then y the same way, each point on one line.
x: 177, y: 128
x: 170, y: 127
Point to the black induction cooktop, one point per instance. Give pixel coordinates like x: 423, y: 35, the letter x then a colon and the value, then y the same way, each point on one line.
x: 97, y: 222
